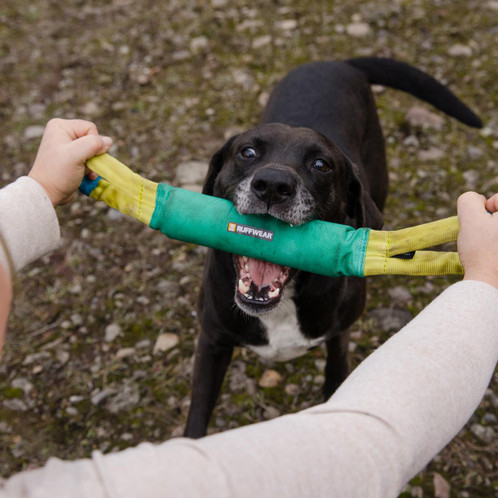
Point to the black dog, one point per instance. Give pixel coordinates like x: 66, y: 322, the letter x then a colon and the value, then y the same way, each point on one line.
x: 318, y: 154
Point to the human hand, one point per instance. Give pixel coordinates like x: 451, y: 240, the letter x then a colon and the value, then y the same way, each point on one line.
x: 60, y: 162
x: 478, y: 237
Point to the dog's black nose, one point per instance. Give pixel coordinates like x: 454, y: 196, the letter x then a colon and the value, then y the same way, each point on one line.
x: 274, y: 185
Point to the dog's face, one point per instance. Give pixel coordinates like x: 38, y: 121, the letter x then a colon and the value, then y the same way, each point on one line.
x: 293, y: 174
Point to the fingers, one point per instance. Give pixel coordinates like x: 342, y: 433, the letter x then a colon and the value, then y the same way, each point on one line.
x: 88, y: 146
x: 492, y: 204
x: 73, y: 128
x: 470, y: 205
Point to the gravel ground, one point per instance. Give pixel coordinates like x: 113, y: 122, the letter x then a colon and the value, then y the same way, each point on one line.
x: 102, y: 334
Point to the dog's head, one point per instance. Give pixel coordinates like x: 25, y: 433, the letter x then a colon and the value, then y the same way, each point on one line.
x: 295, y: 175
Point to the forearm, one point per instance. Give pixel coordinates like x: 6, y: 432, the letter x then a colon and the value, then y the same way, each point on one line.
x: 28, y: 224
x: 392, y: 415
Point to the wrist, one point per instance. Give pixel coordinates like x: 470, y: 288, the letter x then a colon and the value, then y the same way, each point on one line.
x: 54, y: 198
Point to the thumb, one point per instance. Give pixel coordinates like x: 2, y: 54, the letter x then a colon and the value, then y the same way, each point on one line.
x: 470, y: 205
x: 88, y: 146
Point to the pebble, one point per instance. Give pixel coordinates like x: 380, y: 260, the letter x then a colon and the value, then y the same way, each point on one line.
x: 459, y: 50
x: 291, y: 389
x: 485, y: 434
x: 432, y: 154
x: 21, y: 383
x: 261, y: 41
x: 164, y: 342
x: 358, y: 29
x: 391, y: 319
x: 191, y: 172
x: 124, y: 353
x: 112, y: 331
x: 199, y: 44
x: 286, y: 24
x: 271, y: 412
x: 474, y: 152
x: 127, y: 396
x: 471, y: 178
x: 421, y: 117
x: 34, y: 131
x: 400, y: 294
x: 270, y: 378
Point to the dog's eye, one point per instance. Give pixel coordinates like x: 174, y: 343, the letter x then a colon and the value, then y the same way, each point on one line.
x: 248, y: 153
x: 321, y: 165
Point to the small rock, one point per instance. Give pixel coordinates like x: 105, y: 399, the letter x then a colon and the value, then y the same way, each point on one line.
x: 441, y: 487
x: 36, y: 357
x: 358, y: 29
x: 474, y: 152
x: 432, y: 154
x: 270, y: 378
x: 286, y: 24
x: 144, y: 344
x: 112, y: 331
x: 124, y: 353
x: 271, y: 412
x: 471, y: 178
x: 391, y: 319
x: 493, y: 5
x: 400, y: 294
x: 90, y: 109
x: 72, y: 411
x: 421, y: 117
x: 191, y: 172
x: 485, y: 434
x: 291, y: 389
x: 114, y: 215
x: 127, y: 396
x: 489, y: 418
x: 261, y: 41
x: 164, y: 342
x: 5, y: 428
x: 15, y: 404
x: 459, y: 50
x: 100, y: 396
x: 199, y: 44
x: 62, y: 356
x: 21, y: 383
x: 34, y: 131
x: 411, y: 141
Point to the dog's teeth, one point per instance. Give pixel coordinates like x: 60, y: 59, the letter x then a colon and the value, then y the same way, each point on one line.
x: 274, y: 293
x: 245, y: 259
x: 243, y: 288
x: 246, y: 267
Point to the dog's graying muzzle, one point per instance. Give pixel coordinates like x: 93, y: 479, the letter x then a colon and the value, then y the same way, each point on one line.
x: 316, y: 246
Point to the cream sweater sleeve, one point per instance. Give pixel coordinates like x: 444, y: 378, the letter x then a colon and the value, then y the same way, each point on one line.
x: 28, y: 223
x: 397, y: 410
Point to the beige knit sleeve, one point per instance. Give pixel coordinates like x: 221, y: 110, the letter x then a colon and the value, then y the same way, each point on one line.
x: 29, y: 227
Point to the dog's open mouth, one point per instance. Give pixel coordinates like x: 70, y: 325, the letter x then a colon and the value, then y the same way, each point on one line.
x: 260, y: 284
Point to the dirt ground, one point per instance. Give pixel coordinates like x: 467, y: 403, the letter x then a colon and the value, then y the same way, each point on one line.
x: 170, y: 81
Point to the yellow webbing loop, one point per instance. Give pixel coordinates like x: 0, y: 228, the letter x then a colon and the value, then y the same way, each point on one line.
x: 123, y: 189
x: 383, y: 246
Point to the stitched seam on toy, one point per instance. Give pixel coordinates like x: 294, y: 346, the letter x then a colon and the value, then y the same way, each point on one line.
x: 140, y: 198
x: 388, y: 243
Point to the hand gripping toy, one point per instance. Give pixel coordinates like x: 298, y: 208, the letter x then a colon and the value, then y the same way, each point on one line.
x: 317, y: 246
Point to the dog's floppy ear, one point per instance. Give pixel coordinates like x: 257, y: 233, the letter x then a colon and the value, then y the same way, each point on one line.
x: 361, y: 208
x: 215, y: 166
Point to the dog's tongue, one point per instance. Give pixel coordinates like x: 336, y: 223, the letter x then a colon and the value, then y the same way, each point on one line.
x: 263, y: 273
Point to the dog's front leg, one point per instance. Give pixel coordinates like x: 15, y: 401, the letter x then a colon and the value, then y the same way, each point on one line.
x: 210, y: 365
x: 337, y: 367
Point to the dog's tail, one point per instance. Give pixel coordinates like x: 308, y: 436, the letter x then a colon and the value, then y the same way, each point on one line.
x: 402, y: 76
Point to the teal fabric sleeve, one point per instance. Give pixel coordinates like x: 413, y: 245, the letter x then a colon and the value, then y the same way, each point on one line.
x: 318, y: 247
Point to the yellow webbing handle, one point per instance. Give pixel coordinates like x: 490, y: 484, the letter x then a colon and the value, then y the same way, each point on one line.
x: 123, y: 189
x: 385, y: 247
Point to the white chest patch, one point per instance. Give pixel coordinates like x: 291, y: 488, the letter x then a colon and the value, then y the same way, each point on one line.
x: 283, y: 331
